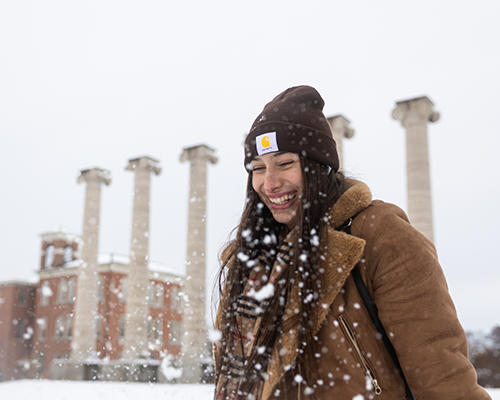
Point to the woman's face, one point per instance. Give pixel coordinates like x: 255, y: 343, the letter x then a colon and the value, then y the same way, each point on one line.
x: 277, y: 178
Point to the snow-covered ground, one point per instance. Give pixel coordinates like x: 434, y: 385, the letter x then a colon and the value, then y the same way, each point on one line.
x: 71, y: 390
x: 66, y: 390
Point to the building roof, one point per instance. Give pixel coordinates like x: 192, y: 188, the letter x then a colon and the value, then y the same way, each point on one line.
x: 109, y: 258
x: 17, y: 283
x: 103, y: 259
x: 61, y: 232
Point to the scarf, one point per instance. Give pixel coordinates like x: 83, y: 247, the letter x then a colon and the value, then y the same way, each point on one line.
x: 251, y: 305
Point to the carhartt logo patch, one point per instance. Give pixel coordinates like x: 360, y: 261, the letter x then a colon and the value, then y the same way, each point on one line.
x: 266, y: 143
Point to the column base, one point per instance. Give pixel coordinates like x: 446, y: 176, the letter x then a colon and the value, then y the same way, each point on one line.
x: 113, y: 370
x: 201, y: 372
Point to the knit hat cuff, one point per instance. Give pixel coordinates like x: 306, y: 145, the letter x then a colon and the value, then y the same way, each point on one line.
x: 276, y: 136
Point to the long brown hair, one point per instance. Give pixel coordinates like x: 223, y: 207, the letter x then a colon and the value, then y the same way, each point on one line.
x: 322, y: 188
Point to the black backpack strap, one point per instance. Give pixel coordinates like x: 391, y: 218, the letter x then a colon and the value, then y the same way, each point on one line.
x: 371, y: 307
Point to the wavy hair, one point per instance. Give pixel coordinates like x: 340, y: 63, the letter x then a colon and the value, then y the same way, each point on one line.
x: 322, y: 188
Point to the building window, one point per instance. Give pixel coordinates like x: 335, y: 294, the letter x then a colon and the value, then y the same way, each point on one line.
x: 21, y: 297
x: 150, y: 328
x: 46, y: 293
x: 152, y: 294
x: 98, y: 327
x: 175, y: 333
x: 42, y: 328
x: 41, y: 363
x: 158, y: 331
x: 49, y: 256
x: 100, y: 289
x: 174, y: 298
x: 60, y: 327
x: 68, y: 254
x: 160, y: 295
x: 122, y: 327
x: 123, y: 292
x: 19, y: 323
x: 155, y: 330
x: 62, y: 293
x: 71, y: 290
x: 69, y: 326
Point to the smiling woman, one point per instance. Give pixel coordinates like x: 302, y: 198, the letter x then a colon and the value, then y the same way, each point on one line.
x: 277, y: 179
x: 291, y: 316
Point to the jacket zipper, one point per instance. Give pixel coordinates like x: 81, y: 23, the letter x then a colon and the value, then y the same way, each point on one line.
x: 354, y: 342
x: 298, y: 393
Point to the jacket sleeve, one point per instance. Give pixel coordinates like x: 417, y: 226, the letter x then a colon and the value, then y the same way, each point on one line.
x: 411, y: 293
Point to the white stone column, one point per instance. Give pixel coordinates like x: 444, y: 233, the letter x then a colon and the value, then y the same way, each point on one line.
x: 414, y: 114
x: 194, y: 346
x: 341, y: 129
x: 83, y: 343
x: 137, y: 309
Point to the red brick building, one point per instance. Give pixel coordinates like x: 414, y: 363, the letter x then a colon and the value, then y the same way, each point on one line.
x: 17, y: 304
x: 45, y: 311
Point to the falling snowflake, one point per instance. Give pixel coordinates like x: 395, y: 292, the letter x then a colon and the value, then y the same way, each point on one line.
x: 169, y: 370
x: 308, y: 391
x: 46, y: 291
x: 215, y: 335
x: 242, y: 257
x: 264, y: 293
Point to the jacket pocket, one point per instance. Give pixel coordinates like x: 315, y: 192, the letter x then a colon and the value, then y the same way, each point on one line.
x: 353, y: 341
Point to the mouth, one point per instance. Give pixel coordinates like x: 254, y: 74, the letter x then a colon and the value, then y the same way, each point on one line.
x: 279, y: 201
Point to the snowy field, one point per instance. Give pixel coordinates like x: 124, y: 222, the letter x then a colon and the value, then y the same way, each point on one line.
x: 66, y: 390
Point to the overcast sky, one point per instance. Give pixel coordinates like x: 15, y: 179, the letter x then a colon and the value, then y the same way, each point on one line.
x: 95, y: 83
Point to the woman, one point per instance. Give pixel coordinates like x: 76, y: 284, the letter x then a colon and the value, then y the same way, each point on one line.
x: 292, y: 320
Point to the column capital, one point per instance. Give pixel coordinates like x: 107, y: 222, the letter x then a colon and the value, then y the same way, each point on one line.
x: 144, y: 162
x: 200, y: 152
x: 341, y: 125
x: 421, y: 107
x: 95, y: 174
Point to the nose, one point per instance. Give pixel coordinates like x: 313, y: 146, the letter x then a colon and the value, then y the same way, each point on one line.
x: 272, y: 181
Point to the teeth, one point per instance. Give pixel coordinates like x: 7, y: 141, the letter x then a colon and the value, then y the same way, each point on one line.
x: 282, y: 200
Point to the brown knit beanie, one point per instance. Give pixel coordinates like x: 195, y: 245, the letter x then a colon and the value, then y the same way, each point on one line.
x: 293, y: 121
